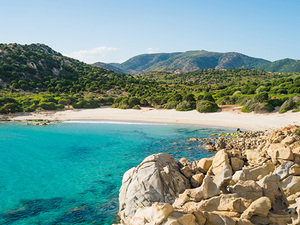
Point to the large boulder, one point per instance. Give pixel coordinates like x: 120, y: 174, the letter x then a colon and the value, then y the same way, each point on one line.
x: 236, y: 163
x: 291, y: 185
x: 259, y: 207
x: 178, y: 218
x: 254, y: 157
x: 280, y: 151
x: 272, y: 190
x: 197, y: 179
x: 283, y: 170
x: 247, y: 189
x: 254, y: 173
x: 204, y: 164
x: 220, y: 162
x: 225, y: 202
x: 154, y: 214
x: 156, y: 179
x: 207, y: 190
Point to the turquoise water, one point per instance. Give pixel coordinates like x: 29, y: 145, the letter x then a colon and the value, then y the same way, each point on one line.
x: 70, y: 173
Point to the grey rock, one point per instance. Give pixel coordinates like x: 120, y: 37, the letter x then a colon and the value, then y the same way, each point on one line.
x: 156, y: 179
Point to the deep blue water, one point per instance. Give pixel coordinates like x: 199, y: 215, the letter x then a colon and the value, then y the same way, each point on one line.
x: 70, y: 173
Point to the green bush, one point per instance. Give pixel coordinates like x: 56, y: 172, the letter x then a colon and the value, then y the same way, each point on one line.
x: 64, y: 101
x: 134, y: 101
x: 237, y: 93
x: 170, y: 105
x: 184, y: 106
x: 86, y: 104
x: 287, y: 105
x: 207, y: 97
x: 263, y: 108
x: 48, y: 105
x: 136, y: 107
x: 124, y: 105
x: 144, y: 102
x: 275, y: 102
x: 10, y: 108
x: 261, y: 97
x: 115, y: 105
x: 204, y: 106
x: 189, y: 98
x: 261, y: 89
x: 249, y: 106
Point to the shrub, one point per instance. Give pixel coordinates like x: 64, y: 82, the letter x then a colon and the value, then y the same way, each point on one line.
x: 226, y: 100
x: 136, y: 107
x: 48, y: 105
x: 10, y: 108
x: 170, y: 105
x: 249, y: 106
x: 144, y: 102
x: 184, y: 106
x: 237, y: 93
x: 189, y: 97
x: 263, y: 108
x: 287, y: 105
x: 275, y: 102
x: 134, y: 101
x: 206, y: 106
x: 64, y: 101
x: 124, y: 105
x: 115, y: 105
x: 261, y: 97
x: 207, y: 97
x: 261, y: 89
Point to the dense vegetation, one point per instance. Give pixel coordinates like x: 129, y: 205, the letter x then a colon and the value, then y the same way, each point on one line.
x: 183, y: 62
x: 34, y: 77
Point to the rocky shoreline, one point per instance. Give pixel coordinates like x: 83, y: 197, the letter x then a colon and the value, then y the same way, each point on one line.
x: 254, y: 178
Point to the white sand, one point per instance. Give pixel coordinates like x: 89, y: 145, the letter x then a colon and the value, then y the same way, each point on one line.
x: 227, y: 118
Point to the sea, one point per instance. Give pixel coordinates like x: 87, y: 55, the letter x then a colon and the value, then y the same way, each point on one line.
x: 71, y: 172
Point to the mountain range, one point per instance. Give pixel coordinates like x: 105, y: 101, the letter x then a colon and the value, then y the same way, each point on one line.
x: 180, y: 62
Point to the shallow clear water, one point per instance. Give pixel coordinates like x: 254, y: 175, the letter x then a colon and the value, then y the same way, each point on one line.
x: 70, y: 173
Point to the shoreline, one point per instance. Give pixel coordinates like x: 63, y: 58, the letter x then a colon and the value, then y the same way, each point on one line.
x: 229, y: 118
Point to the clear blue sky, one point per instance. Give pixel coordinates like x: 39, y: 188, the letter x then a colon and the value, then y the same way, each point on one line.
x: 115, y: 30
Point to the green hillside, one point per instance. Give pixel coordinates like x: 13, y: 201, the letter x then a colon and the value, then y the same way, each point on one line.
x: 37, y: 67
x: 108, y: 67
x: 182, y: 62
x: 188, y: 61
x: 283, y: 66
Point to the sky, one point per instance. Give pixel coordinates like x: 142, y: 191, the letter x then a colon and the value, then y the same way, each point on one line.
x: 116, y: 30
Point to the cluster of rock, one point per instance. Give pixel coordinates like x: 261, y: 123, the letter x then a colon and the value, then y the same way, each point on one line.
x: 252, y: 179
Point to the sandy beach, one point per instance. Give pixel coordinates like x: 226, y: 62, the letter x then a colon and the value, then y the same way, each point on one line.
x: 227, y: 118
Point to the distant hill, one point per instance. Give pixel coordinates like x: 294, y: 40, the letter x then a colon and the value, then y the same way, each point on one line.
x: 182, y: 62
x: 108, y: 67
x: 188, y: 61
x: 283, y: 66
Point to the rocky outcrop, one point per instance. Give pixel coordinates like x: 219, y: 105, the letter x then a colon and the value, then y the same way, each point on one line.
x: 253, y: 179
x: 156, y: 179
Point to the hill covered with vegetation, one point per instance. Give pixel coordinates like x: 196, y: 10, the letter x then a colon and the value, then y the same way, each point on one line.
x: 188, y: 61
x: 35, y: 77
x: 181, y: 62
x: 108, y: 67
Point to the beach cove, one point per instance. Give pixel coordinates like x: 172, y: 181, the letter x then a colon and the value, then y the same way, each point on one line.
x: 231, y: 117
